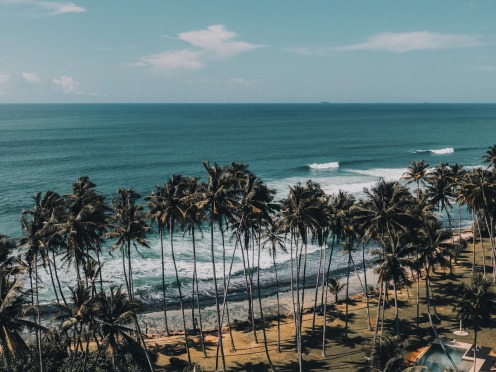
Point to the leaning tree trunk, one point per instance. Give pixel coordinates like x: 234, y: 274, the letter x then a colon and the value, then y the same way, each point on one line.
x: 219, y: 325
x: 180, y: 291
x: 316, y: 291
x: 397, y: 320
x: 164, y: 304
x: 195, y: 276
x: 366, y: 287
x: 277, y: 298
x: 38, y: 331
x: 261, y: 313
x: 347, y: 293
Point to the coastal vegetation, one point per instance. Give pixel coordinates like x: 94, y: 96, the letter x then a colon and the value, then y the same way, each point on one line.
x: 97, y: 327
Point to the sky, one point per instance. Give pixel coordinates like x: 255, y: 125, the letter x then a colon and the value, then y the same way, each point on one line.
x: 256, y: 51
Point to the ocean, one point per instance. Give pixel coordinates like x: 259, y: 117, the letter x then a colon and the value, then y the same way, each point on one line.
x: 340, y: 146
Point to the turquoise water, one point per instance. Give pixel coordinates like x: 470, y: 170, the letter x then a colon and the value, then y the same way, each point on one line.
x: 435, y: 359
x: 349, y: 146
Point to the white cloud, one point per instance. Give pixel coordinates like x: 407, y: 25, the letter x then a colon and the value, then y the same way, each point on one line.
x: 217, y: 40
x: 213, y: 43
x: 31, y: 77
x: 52, y: 7
x: 66, y: 83
x: 409, y: 41
x: 186, y: 58
x: 4, y: 78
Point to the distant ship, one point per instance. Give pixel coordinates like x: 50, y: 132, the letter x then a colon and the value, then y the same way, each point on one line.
x: 325, y: 103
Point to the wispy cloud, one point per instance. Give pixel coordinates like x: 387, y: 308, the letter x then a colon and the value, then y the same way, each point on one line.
x: 399, y: 43
x: 410, y: 41
x: 210, y: 44
x: 50, y: 7
x: 66, y: 83
x: 31, y: 77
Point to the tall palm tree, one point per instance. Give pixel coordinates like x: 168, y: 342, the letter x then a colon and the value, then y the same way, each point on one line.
x: 302, y: 213
x: 416, y: 172
x: 388, y: 211
x: 217, y: 202
x: 476, y: 303
x: 391, y: 267
x: 478, y: 192
x: 129, y: 228
x: 192, y: 219
x: 157, y: 215
x: 439, y: 188
x: 84, y: 224
x: 273, y: 239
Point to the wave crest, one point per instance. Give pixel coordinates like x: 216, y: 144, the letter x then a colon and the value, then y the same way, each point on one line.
x: 448, y: 150
x: 331, y: 165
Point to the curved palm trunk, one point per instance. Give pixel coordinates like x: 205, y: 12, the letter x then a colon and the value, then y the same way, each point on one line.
x: 317, y: 291
x: 347, y: 293
x: 219, y: 325
x: 124, y: 270
x: 261, y: 313
x: 246, y: 274
x: 397, y: 320
x: 57, y: 278
x: 366, y: 287
x: 180, y: 291
x: 277, y: 298
x: 195, y: 277
x: 160, y: 230
x: 233, y: 347
x: 376, y: 331
x: 38, y: 331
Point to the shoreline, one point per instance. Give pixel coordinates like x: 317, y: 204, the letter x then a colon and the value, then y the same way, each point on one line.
x: 153, y: 321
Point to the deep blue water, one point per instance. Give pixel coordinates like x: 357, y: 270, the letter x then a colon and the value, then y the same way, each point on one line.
x: 347, y: 146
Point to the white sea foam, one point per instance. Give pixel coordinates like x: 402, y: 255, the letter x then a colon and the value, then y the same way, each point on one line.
x: 320, y: 166
x: 389, y: 174
x: 448, y: 150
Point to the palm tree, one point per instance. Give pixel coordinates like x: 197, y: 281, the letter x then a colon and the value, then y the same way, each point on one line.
x: 416, y: 172
x: 388, y: 211
x: 272, y: 237
x: 335, y: 286
x: 490, y: 156
x: 478, y: 191
x: 217, y: 201
x: 84, y: 224
x: 391, y: 268
x: 13, y: 305
x: 115, y: 312
x: 386, y: 355
x: 476, y: 303
x: 192, y: 219
x: 440, y: 188
x: 157, y: 215
x: 128, y: 227
x: 301, y: 212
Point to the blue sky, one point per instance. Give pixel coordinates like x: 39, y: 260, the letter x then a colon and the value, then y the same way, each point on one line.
x: 247, y: 51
